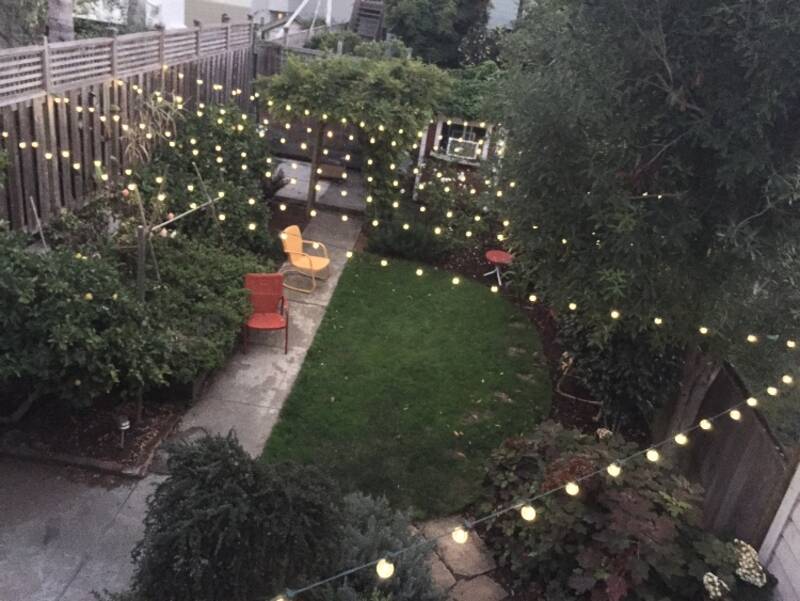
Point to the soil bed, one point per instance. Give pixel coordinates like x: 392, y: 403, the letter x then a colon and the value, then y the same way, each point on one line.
x: 90, y: 437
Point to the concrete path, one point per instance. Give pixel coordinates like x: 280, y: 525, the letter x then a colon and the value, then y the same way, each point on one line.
x: 65, y: 532
x: 248, y: 394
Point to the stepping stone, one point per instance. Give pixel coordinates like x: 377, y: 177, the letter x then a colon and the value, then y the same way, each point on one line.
x: 481, y: 588
x: 442, y: 579
x: 467, y: 560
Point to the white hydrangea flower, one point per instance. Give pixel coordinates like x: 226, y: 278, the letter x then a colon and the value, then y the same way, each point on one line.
x: 714, y: 585
x: 749, y: 568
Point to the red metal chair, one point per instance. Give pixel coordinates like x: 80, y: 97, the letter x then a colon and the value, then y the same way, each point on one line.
x: 270, y: 309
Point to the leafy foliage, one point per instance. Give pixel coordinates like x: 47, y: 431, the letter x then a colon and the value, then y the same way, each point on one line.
x: 473, y: 90
x: 200, y: 303
x: 71, y: 328
x: 434, y: 28
x: 632, y: 379
x: 370, y: 529
x: 634, y: 537
x: 654, y: 147
x: 223, y: 526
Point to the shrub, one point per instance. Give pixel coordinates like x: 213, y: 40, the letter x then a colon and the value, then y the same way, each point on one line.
x: 634, y: 537
x: 624, y: 370
x: 200, y: 302
x: 71, y: 329
x: 370, y: 529
x: 230, y: 153
x: 223, y: 526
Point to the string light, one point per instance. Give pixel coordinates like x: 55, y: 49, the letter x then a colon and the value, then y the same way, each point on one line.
x: 735, y: 415
x: 460, y: 535
x: 705, y: 424
x: 752, y: 401
x: 787, y: 379
x: 528, y: 513
x: 572, y: 488
x: 681, y: 439
x: 384, y: 568
x: 652, y: 455
x: 614, y: 470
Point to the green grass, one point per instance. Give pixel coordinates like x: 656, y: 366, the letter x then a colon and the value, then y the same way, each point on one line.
x: 410, y: 384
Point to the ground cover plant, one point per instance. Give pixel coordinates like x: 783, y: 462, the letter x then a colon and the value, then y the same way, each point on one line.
x: 635, y: 535
x: 411, y: 381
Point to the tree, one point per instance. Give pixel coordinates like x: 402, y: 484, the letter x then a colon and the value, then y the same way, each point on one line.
x: 434, y: 28
x: 655, y: 148
x: 60, y: 23
x: 137, y: 15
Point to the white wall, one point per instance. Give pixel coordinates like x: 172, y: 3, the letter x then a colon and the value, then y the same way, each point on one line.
x: 171, y: 14
x: 780, y: 551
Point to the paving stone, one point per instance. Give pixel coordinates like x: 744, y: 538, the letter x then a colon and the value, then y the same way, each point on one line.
x: 443, y: 579
x: 467, y: 560
x: 481, y: 588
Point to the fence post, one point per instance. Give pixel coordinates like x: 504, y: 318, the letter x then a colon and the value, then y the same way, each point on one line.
x: 197, y: 40
x: 161, y: 52
x: 114, y: 56
x: 228, y: 36
x: 46, y: 65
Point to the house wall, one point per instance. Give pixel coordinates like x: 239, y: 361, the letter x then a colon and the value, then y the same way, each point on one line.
x: 209, y: 12
x: 781, y: 549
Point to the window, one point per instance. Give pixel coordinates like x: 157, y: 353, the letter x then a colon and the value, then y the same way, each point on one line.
x: 461, y: 141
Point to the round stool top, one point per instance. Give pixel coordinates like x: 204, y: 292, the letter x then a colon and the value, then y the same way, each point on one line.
x: 499, y: 257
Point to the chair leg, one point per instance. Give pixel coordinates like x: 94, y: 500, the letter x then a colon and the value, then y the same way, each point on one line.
x: 286, y: 338
x: 499, y: 278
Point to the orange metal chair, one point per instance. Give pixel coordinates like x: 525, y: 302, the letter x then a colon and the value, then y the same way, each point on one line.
x: 301, y: 262
x: 270, y: 309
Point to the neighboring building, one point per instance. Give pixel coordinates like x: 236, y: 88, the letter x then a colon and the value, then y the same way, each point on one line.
x: 169, y: 14
x: 212, y: 12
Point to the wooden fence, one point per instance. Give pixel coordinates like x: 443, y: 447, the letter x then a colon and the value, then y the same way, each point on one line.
x: 65, y: 108
x: 741, y: 466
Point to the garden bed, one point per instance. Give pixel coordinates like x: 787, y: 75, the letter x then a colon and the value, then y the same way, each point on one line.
x: 90, y: 438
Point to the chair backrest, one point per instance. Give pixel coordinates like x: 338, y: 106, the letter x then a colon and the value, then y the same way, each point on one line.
x: 266, y: 290
x: 292, y: 240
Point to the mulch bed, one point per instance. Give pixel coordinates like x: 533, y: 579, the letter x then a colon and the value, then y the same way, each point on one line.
x: 90, y: 437
x: 294, y: 214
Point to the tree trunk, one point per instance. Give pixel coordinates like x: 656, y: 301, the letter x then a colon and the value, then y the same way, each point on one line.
x: 313, y: 178
x: 699, y: 373
x: 137, y: 15
x: 60, y: 24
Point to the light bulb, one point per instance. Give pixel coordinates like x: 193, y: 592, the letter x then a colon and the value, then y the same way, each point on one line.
x: 653, y: 455
x: 703, y: 330
x: 615, y: 314
x: 375, y: 223
x: 572, y: 489
x: 787, y: 379
x: 528, y: 513
x: 456, y: 281
x: 752, y: 402
x: 221, y: 217
x: 349, y: 254
x: 572, y: 306
x: 344, y: 217
x: 681, y: 439
x: 735, y: 415
x: 419, y: 271
x: 752, y: 338
x: 705, y: 424
x: 658, y: 321
x: 791, y: 344
x: 533, y: 298
x: 614, y: 470
x: 494, y: 289
x: 772, y: 391
x: 384, y: 568
x: 384, y: 263
x: 251, y: 227
x: 313, y: 213
x: 460, y: 535
x: 437, y: 230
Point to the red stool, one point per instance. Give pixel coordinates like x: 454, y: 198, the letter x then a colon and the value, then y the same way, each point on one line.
x: 498, y: 258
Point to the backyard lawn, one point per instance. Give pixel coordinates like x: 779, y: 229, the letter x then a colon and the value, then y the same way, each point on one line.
x: 409, y: 385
